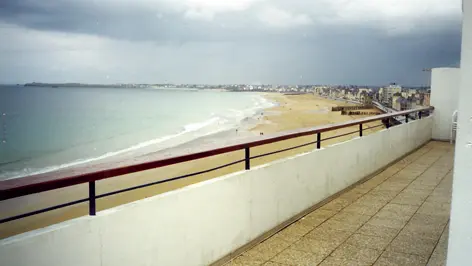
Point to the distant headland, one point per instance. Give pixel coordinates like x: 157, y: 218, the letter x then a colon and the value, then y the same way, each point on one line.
x: 76, y: 85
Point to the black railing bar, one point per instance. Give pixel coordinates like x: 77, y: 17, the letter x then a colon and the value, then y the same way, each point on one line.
x: 367, y: 128
x: 287, y: 149
x: 167, y: 180
x: 342, y: 135
x: 13, y: 218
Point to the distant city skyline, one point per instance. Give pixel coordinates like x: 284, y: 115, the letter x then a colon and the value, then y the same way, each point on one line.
x: 228, y: 42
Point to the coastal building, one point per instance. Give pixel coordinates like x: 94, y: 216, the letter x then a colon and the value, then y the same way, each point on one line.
x: 397, y: 101
x: 426, y: 99
x: 386, y: 93
x: 362, y: 93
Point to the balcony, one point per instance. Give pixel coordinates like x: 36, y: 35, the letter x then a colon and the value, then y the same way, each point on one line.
x: 398, y: 217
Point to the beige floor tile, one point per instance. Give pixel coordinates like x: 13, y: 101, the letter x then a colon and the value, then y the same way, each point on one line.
x: 422, y: 232
x: 324, y: 214
x: 244, y: 260
x: 362, y: 209
x: 271, y: 263
x: 385, y: 175
x: 363, y: 190
x: 411, y: 171
x: 400, y: 182
x: 397, y: 211
x: 337, y: 261
x: 382, y: 176
x: 422, y: 186
x: 443, y: 189
x: 317, y: 217
x: 336, y: 204
x: 294, y: 232
x: 426, y: 219
x: 434, y: 208
x: 399, y: 259
x: 438, y: 199
x: 408, y: 173
x: 418, y: 191
x: 369, y: 184
x: 387, y: 222
x: 297, y: 258
x: 390, y: 187
x: 365, y: 207
x: 333, y: 224
x: 311, y: 221
x: 412, y: 245
x: 439, y: 257
x: 268, y: 249
x: 379, y: 231
x: 374, y: 197
x: 352, y: 195
x: 385, y: 195
x: 373, y: 242
x: 334, y: 236
x: 408, y: 199
x: 351, y: 217
x: 318, y: 247
x: 355, y: 253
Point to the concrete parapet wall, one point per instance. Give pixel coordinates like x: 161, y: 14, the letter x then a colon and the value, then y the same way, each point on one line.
x: 201, y: 223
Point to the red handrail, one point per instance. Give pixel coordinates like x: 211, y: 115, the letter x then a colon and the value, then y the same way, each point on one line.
x: 44, y: 182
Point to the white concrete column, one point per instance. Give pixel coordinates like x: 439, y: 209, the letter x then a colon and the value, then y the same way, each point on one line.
x: 445, y: 84
x: 460, y: 232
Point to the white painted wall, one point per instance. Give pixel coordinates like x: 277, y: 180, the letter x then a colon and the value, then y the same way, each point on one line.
x: 460, y: 231
x: 201, y: 223
x: 445, y: 83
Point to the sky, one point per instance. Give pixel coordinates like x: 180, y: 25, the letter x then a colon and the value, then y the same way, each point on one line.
x: 362, y: 42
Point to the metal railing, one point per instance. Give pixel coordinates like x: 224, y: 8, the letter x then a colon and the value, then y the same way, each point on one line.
x: 15, y: 188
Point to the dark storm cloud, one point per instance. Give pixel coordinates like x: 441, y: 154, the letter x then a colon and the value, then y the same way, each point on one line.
x: 131, y: 22
x: 162, y: 20
x: 208, y: 41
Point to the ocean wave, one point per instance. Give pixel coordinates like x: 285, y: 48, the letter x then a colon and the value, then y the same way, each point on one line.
x: 218, y: 122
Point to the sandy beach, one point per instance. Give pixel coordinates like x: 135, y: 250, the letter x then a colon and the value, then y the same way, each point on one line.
x: 293, y: 112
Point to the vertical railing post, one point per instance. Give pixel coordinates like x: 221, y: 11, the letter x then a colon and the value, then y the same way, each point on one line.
x: 92, y: 202
x: 318, y: 140
x: 247, y: 158
x: 360, y: 130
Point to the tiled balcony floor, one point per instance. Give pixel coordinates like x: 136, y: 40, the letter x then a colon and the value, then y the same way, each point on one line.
x: 399, y: 217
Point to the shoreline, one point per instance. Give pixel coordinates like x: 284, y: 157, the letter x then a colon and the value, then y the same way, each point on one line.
x: 292, y: 112
x: 163, y: 144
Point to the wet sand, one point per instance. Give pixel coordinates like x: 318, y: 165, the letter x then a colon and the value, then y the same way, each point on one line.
x: 294, y: 112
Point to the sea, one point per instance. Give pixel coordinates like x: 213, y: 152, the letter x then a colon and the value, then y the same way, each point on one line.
x: 43, y: 129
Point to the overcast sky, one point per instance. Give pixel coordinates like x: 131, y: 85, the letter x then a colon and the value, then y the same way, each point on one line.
x: 227, y: 41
